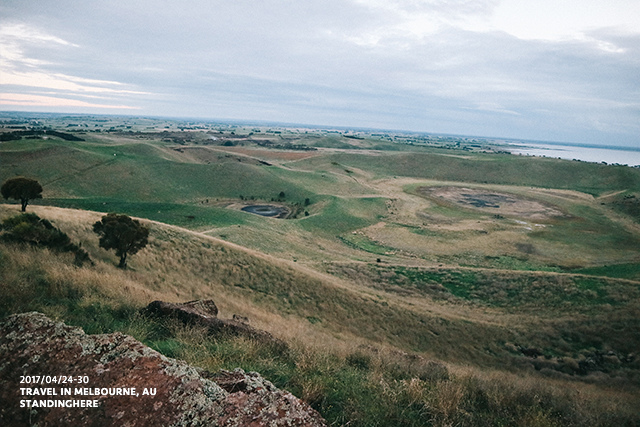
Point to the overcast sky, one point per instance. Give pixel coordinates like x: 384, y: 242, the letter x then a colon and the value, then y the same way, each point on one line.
x: 558, y: 70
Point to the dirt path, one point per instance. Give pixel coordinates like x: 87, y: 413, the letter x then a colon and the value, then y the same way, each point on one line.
x: 615, y: 193
x: 80, y: 171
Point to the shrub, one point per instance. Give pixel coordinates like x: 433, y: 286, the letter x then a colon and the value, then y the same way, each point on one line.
x: 31, y: 229
x: 359, y: 360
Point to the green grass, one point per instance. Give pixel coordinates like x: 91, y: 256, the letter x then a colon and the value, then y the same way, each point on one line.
x: 623, y: 271
x: 627, y: 203
x: 506, y: 262
x: 332, y: 142
x: 590, y: 178
x: 458, y: 283
x: 507, y: 290
x: 363, y: 243
x: 344, y: 215
x: 588, y: 228
x: 140, y: 172
x: 321, y: 182
x: 190, y: 216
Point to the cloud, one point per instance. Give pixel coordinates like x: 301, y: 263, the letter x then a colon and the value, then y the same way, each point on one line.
x: 27, y: 33
x: 14, y: 37
x: 493, y: 107
x: 18, y: 69
x: 402, y: 23
x: 62, y: 82
x: 22, y: 100
x: 569, y: 19
x: 451, y: 66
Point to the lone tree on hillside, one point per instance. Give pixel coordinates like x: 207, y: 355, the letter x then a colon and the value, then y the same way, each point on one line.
x: 23, y: 189
x: 120, y: 232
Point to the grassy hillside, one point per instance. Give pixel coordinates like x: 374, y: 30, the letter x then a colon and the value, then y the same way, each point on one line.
x: 335, y: 193
x: 434, y: 283
x: 143, y: 172
x: 501, y: 169
x: 367, y: 349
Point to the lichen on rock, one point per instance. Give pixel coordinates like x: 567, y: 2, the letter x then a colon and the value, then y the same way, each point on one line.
x: 31, y: 345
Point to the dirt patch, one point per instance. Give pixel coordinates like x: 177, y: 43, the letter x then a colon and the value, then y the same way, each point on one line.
x: 492, y: 202
x: 270, y: 154
x: 206, y: 155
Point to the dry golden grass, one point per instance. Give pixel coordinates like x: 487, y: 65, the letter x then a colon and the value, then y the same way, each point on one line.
x: 340, y: 332
x: 286, y: 297
x: 180, y: 265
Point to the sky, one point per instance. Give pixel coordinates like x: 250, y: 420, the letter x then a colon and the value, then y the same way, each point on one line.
x: 550, y: 70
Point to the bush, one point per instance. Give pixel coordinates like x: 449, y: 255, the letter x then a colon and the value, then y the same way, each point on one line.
x: 29, y: 228
x: 359, y: 360
x: 33, y: 230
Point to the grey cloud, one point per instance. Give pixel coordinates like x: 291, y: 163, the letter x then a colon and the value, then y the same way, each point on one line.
x: 310, y: 61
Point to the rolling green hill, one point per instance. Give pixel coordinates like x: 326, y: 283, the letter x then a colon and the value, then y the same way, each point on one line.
x: 414, y: 285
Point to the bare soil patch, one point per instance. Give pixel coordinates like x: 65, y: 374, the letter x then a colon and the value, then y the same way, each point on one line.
x: 492, y: 202
x: 208, y: 155
x: 270, y: 154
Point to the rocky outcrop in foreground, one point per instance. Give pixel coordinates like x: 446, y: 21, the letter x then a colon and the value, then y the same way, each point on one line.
x: 204, y: 313
x: 55, y: 375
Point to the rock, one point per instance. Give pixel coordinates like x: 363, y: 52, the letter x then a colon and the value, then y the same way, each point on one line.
x: 191, y: 312
x: 250, y: 393
x: 531, y: 352
x: 201, y: 313
x: 241, y: 319
x: 37, y: 353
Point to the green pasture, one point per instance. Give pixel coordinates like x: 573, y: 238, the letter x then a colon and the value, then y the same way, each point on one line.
x: 192, y: 216
x: 145, y: 178
x: 589, y: 231
x: 363, y: 243
x: 343, y: 215
x: 623, y: 271
x: 139, y: 172
x: 500, y: 169
x: 321, y: 181
x: 546, y: 294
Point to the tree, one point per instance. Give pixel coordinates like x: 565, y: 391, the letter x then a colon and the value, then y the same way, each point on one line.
x: 122, y: 233
x: 23, y: 189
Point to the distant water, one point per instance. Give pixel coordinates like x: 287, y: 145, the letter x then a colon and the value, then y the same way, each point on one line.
x: 620, y: 155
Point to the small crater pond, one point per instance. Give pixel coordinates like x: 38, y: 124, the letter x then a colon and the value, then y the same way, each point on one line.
x: 267, y: 210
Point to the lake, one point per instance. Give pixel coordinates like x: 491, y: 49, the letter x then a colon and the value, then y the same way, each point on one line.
x: 620, y: 155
